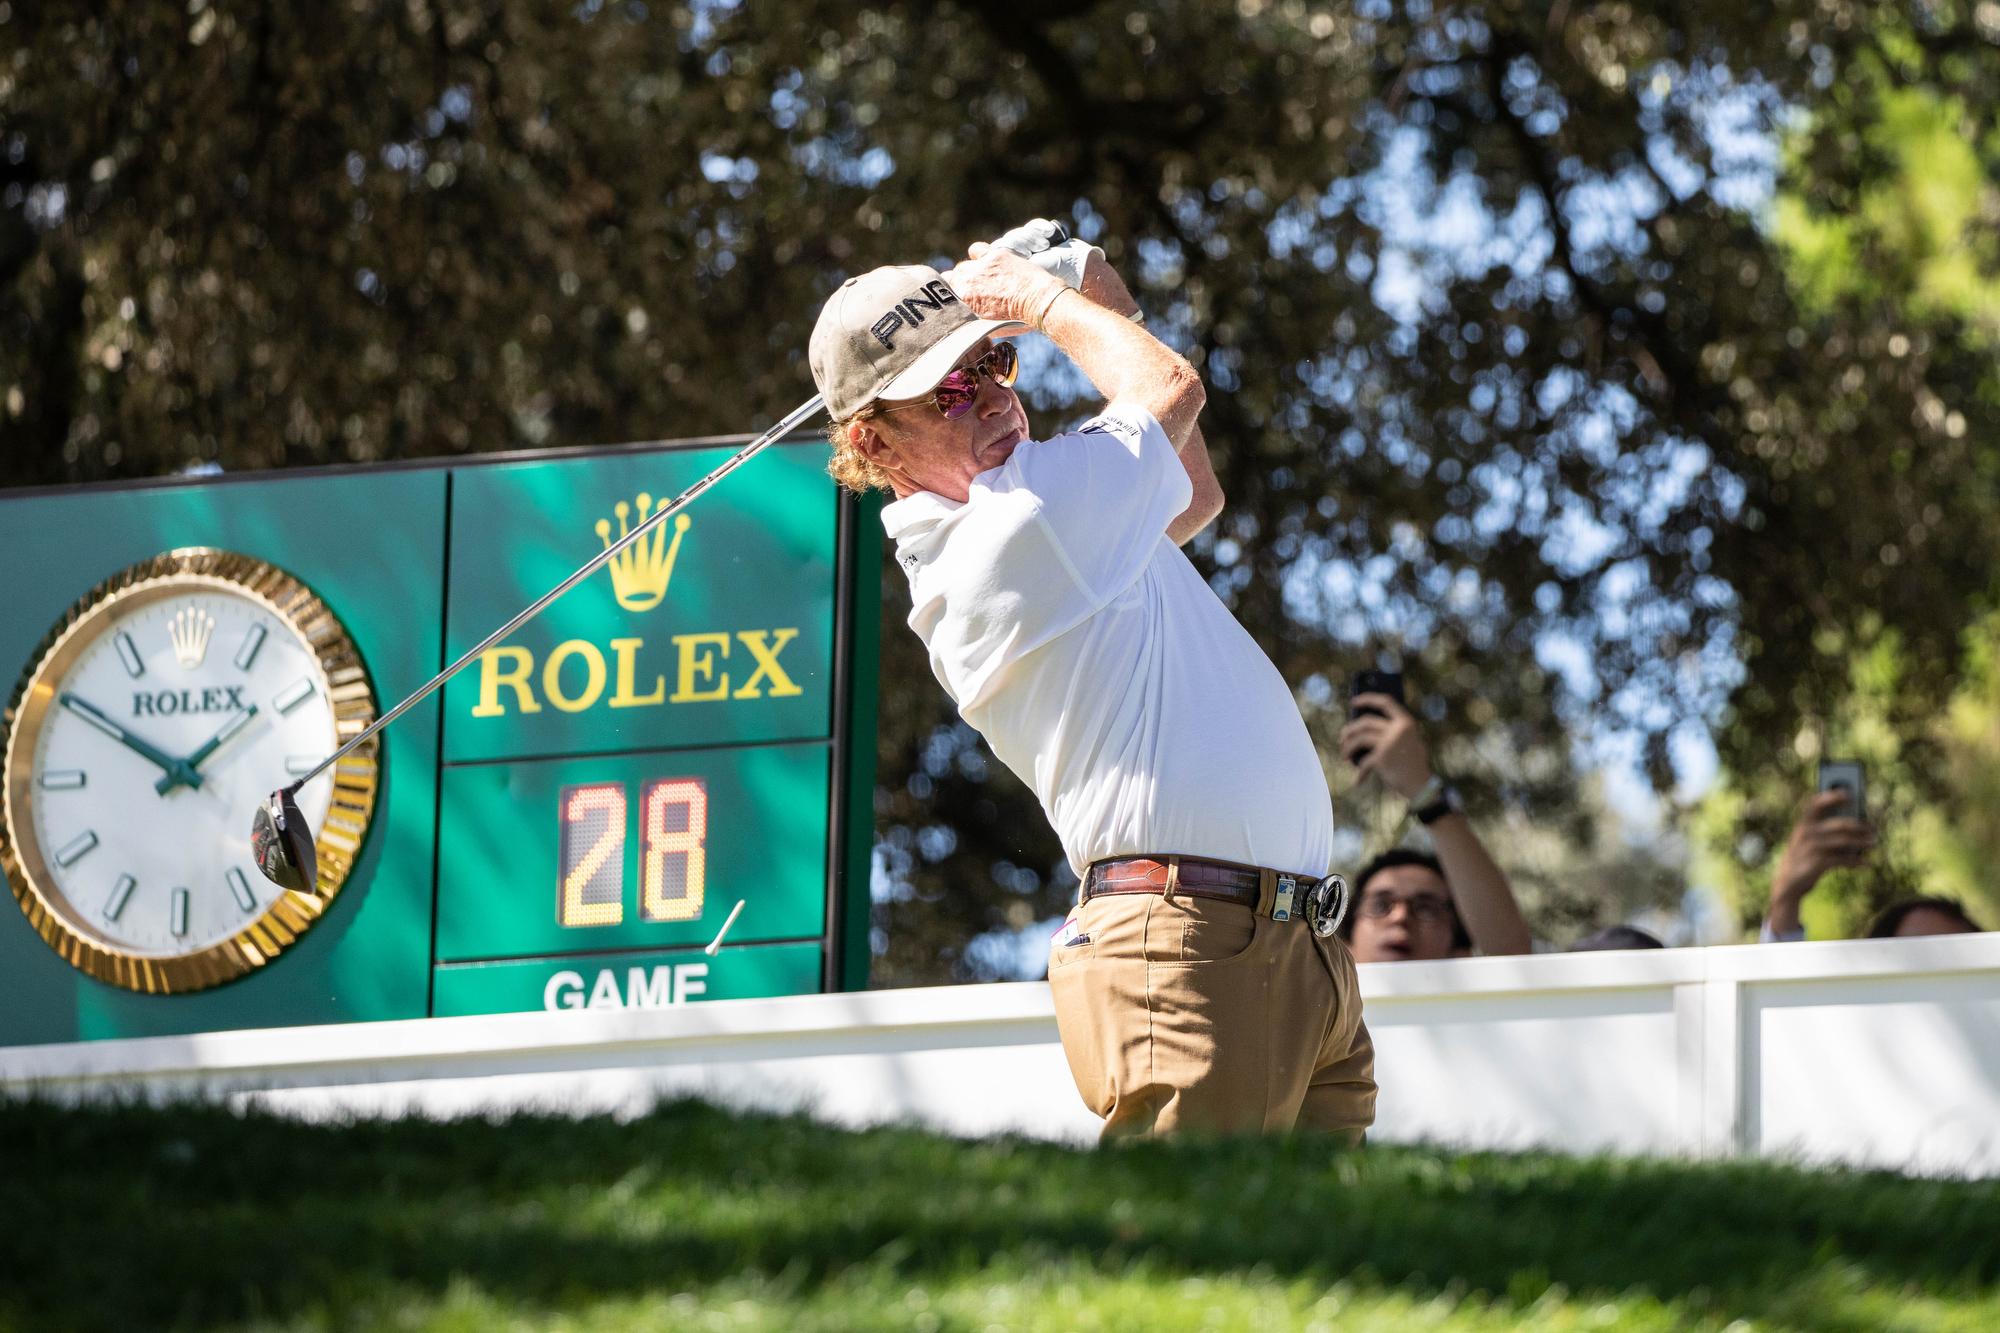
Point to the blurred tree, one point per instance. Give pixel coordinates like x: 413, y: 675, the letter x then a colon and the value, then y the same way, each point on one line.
x: 1967, y: 821
x: 1510, y: 380
x: 1887, y: 223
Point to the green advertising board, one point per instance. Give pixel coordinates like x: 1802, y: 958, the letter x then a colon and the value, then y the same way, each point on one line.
x: 647, y: 796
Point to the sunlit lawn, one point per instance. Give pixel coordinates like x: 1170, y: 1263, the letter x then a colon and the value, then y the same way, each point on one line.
x: 697, y: 1218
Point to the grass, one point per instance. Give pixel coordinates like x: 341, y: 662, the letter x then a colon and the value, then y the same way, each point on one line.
x: 191, y: 1217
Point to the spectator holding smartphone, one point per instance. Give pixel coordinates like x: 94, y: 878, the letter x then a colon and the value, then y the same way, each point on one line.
x: 1408, y: 905
x: 1828, y: 836
x: 1832, y: 835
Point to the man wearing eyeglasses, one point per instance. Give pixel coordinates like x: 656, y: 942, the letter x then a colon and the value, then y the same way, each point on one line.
x: 1199, y: 982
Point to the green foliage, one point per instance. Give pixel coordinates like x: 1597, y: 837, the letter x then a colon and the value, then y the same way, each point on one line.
x: 1499, y: 350
x: 1934, y: 214
x: 1969, y: 826
x: 1922, y: 232
x: 691, y: 1217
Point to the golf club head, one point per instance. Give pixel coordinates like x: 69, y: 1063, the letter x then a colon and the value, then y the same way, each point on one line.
x: 282, y: 843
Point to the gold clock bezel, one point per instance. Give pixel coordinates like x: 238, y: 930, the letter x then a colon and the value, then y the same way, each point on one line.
x: 355, y: 778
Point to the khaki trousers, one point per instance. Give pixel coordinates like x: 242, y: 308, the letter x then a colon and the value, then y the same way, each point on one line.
x: 1184, y: 1013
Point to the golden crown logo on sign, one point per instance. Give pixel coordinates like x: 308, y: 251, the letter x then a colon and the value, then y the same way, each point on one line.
x: 640, y: 573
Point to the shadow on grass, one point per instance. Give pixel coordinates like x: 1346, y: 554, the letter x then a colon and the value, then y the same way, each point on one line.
x: 131, y: 1217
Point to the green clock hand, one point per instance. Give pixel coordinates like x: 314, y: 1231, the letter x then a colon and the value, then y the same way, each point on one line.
x: 177, y: 769
x: 208, y: 747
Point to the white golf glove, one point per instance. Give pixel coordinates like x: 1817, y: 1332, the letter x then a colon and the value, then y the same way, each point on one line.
x: 1049, y: 247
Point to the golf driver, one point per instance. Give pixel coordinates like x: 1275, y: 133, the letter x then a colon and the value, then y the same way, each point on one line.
x: 280, y: 838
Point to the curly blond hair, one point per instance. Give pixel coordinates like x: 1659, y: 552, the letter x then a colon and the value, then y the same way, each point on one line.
x: 849, y: 466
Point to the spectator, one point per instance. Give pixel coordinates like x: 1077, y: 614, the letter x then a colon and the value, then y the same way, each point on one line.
x: 1616, y: 937
x: 1921, y: 916
x: 1822, y: 840
x: 1409, y: 906
x: 1402, y: 911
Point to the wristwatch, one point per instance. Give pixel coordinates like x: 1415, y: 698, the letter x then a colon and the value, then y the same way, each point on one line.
x: 1437, y: 799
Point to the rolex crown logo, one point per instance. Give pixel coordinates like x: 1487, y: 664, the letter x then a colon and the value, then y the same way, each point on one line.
x: 640, y: 572
x: 189, y: 631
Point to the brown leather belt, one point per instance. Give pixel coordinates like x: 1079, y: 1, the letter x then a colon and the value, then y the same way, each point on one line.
x: 1198, y: 878
x: 1322, y: 902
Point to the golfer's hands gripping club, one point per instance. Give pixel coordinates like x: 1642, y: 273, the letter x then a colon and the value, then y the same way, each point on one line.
x: 1080, y: 265
x: 1048, y: 245
x: 999, y: 284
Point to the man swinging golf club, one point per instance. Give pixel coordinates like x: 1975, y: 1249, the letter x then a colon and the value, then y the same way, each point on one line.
x: 1198, y: 982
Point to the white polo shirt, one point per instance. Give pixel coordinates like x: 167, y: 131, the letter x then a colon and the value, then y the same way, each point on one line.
x: 1101, y: 668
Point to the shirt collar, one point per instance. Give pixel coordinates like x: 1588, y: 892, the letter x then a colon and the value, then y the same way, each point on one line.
x: 905, y: 517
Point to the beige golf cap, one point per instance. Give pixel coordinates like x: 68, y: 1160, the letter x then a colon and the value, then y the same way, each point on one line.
x: 893, y: 332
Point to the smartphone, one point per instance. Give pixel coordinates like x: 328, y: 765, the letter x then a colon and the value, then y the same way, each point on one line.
x: 1373, y: 682
x: 1845, y: 775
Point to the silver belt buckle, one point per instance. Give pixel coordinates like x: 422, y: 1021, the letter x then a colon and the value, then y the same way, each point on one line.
x: 1326, y: 905
x: 1281, y: 903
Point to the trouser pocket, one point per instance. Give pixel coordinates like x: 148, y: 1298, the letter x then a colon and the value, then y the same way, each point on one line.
x: 1182, y: 930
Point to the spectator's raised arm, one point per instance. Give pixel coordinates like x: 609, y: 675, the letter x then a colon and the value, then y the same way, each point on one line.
x: 1396, y: 753
x: 1103, y: 284
x: 1822, y: 840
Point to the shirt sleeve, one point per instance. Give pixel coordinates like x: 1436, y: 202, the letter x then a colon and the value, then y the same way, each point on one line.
x: 1105, y: 494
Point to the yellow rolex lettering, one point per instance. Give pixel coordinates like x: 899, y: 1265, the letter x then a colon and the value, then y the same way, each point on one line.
x: 625, y: 650
x: 765, y: 645
x: 700, y: 673
x: 492, y: 675
x: 698, y: 663
x: 593, y: 681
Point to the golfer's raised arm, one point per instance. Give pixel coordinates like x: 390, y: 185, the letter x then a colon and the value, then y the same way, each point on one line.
x: 1103, y: 285
x: 1123, y: 361
x: 1207, y: 501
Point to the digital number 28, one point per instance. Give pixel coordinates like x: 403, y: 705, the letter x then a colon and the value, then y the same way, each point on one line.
x: 673, y: 862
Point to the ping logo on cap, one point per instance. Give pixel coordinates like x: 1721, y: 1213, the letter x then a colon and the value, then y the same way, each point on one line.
x: 909, y: 312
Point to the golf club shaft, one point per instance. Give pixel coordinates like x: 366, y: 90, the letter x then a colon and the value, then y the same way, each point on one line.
x: 798, y: 416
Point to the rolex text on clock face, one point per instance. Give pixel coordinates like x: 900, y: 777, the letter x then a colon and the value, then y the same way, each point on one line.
x: 176, y: 717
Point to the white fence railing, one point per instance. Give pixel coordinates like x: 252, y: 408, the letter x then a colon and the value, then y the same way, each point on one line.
x: 1879, y: 1052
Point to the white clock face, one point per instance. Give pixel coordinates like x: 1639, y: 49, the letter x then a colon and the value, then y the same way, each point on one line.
x: 164, y: 736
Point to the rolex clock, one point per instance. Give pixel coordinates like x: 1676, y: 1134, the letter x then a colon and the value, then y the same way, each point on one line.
x: 148, y: 726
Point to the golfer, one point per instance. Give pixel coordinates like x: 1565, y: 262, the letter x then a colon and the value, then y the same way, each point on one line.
x: 1198, y: 983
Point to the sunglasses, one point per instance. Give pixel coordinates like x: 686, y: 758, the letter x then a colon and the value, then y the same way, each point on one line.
x: 955, y: 393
